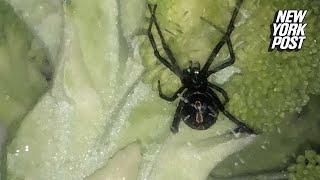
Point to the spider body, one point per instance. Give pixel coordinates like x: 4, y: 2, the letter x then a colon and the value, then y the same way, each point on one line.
x: 198, y: 109
x: 200, y: 105
x: 193, y: 79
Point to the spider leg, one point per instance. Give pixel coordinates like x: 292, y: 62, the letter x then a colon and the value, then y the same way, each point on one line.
x: 225, y: 38
x: 177, y: 118
x: 213, y: 25
x: 213, y: 54
x: 229, y: 62
x: 164, y: 43
x: 173, y: 67
x: 222, y: 91
x: 241, y: 126
x: 154, y: 45
x: 169, y: 98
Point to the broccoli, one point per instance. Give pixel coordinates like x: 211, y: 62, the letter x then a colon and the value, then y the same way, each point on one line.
x: 270, y: 84
x: 24, y: 67
x: 101, y: 106
x: 299, y: 132
x: 306, y: 167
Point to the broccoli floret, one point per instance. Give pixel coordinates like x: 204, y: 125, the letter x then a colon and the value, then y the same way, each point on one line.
x: 270, y: 85
x: 307, y: 167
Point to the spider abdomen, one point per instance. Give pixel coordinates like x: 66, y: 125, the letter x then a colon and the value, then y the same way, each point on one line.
x: 199, y: 110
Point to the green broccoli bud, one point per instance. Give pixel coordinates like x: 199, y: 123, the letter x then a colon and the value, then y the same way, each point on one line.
x: 307, y: 166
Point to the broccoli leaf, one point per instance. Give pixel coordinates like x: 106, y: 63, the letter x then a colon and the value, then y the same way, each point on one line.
x: 45, y: 20
x: 24, y: 68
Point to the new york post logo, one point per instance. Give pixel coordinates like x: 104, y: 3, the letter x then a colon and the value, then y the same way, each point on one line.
x: 287, y: 30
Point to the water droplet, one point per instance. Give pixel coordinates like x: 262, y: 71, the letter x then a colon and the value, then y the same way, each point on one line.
x: 279, y: 130
x: 242, y: 161
x: 26, y: 148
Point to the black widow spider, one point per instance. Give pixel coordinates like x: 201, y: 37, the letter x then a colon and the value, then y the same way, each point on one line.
x: 199, y: 105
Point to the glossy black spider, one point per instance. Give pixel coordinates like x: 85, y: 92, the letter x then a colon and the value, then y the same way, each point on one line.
x: 199, y: 105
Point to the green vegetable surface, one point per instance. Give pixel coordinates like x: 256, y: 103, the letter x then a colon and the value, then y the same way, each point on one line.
x: 25, y: 69
x: 98, y: 115
x: 307, y: 166
x: 270, y: 84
